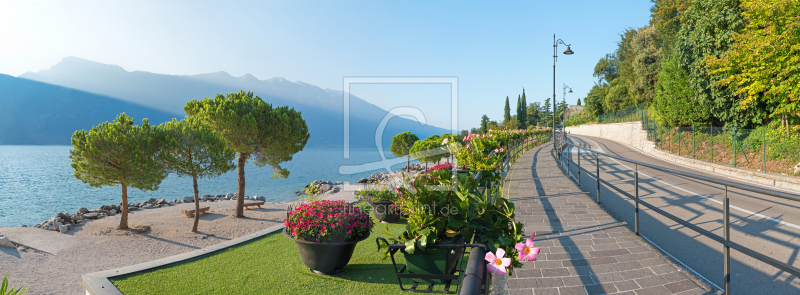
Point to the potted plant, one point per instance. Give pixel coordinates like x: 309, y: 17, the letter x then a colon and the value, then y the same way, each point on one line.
x: 326, y: 233
x: 439, y: 214
x: 381, y: 201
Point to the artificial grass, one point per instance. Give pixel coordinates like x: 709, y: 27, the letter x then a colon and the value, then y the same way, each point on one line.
x: 271, y: 265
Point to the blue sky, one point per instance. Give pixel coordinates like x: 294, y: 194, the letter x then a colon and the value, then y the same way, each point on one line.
x: 495, y: 49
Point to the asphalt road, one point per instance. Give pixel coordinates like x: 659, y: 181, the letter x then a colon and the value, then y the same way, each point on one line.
x: 763, y: 223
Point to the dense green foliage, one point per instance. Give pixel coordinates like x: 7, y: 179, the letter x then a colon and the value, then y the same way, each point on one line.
x: 401, y: 145
x: 763, y: 61
x: 193, y: 149
x: 253, y: 128
x: 676, y: 104
x: 699, y: 62
x: 428, y: 150
x: 119, y: 154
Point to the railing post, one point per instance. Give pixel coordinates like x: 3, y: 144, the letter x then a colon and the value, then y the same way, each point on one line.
x: 734, y: 145
x: 727, y: 250
x: 597, y: 165
x: 712, y: 142
x: 764, y: 145
x: 636, y: 194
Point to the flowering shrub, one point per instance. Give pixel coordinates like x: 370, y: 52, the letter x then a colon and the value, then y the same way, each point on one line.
x: 440, y: 167
x: 372, y: 194
x: 476, y: 154
x: 328, y: 222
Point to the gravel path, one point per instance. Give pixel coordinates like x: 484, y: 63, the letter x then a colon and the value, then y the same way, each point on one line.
x: 102, y: 248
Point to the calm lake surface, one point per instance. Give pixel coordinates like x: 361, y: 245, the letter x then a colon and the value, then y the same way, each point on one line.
x: 37, y: 182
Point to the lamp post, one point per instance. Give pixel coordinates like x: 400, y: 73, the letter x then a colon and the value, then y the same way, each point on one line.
x: 555, y: 58
x: 564, y: 102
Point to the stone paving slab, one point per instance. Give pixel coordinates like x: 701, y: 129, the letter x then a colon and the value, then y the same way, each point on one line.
x: 43, y: 240
x: 584, y: 249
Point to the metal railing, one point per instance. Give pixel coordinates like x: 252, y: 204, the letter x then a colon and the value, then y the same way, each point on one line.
x: 725, y: 240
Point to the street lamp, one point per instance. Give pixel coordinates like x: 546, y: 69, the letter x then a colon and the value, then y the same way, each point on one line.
x: 555, y: 58
x: 564, y: 102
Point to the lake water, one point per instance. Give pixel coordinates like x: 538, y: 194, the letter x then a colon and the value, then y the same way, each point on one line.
x: 37, y: 182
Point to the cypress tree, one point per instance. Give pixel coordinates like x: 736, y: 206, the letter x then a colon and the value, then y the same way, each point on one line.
x: 519, y: 101
x: 523, y: 112
x: 484, y: 124
x: 507, y: 112
x: 579, y: 101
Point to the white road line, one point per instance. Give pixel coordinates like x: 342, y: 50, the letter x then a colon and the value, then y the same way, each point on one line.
x: 705, y: 197
x: 772, y: 187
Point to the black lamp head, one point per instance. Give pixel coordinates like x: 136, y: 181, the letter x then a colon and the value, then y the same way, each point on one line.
x: 570, y: 90
x: 569, y: 51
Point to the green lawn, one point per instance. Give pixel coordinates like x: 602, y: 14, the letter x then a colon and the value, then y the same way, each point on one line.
x: 271, y: 265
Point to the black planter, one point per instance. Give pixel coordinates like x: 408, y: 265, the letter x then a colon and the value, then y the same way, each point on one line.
x: 384, y: 212
x: 434, y: 261
x: 325, y: 258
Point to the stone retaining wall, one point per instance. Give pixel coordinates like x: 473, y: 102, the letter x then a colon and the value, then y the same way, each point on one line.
x: 631, y: 134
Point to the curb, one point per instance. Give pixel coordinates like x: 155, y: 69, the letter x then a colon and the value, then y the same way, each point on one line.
x: 98, y: 283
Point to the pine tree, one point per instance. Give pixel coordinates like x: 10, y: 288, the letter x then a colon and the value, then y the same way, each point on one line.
x: 119, y: 154
x: 193, y: 149
x: 254, y: 129
x: 507, y: 112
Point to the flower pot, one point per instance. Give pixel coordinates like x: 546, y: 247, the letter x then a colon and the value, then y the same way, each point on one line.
x: 434, y: 261
x: 385, y: 212
x: 325, y: 258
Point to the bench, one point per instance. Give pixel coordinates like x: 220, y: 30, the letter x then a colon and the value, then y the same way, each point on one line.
x: 256, y: 204
x: 190, y: 213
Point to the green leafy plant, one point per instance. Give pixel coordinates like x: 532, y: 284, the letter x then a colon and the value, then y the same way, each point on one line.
x: 14, y: 291
x: 312, y: 192
x: 437, y: 213
x: 371, y: 194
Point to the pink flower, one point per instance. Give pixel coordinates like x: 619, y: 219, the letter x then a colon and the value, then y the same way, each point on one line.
x: 527, y: 251
x: 497, y: 264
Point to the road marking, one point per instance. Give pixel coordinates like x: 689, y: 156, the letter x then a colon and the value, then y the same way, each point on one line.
x: 772, y: 187
x: 778, y: 221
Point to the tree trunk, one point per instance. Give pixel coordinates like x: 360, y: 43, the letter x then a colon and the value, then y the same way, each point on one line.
x: 408, y: 162
x: 196, y: 204
x: 123, y: 221
x: 786, y: 118
x: 240, y: 197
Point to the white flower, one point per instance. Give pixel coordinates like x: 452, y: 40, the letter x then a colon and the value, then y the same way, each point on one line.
x: 444, y: 142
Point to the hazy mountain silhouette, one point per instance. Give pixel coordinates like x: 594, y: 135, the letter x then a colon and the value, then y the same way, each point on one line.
x: 321, y: 108
x: 38, y: 113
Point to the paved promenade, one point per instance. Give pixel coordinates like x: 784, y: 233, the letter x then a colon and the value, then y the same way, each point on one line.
x: 584, y: 249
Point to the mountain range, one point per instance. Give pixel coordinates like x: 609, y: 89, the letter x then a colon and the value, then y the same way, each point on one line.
x: 46, y: 107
